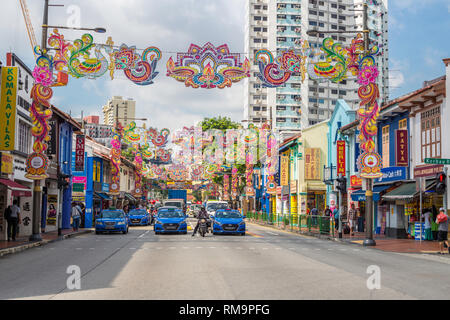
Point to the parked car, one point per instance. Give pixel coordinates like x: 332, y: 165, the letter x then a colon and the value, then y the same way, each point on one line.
x: 111, y: 220
x: 170, y: 220
x: 139, y: 217
x: 228, y: 221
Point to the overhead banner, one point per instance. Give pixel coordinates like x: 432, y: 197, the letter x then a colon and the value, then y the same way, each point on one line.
x: 51, y: 150
x: 341, y: 157
x: 8, y: 103
x: 79, y: 153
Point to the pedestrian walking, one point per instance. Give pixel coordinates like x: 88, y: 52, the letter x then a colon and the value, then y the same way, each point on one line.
x: 76, y: 216
x: 352, y: 219
x: 314, y: 213
x: 327, y: 212
x: 442, y: 220
x: 12, y: 216
x: 336, y: 217
x: 427, y: 216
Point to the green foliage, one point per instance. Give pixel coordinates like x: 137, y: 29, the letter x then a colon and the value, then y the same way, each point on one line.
x: 221, y: 123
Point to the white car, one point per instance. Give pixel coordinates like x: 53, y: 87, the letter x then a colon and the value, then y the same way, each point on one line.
x: 212, y: 206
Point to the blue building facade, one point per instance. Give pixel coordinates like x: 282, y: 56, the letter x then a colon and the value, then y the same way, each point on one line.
x: 342, y: 116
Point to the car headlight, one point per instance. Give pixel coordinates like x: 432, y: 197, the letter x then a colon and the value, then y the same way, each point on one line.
x: 217, y: 222
x: 158, y: 222
x: 98, y: 222
x: 121, y: 223
x: 242, y: 222
x: 184, y: 221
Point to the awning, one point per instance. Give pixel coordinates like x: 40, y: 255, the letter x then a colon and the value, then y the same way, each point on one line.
x: 129, y: 197
x: 18, y: 190
x: 102, y: 195
x: 360, y: 195
x: 407, y: 191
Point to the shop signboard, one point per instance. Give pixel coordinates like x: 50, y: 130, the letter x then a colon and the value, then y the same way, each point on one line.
x: 312, y: 164
x: 8, y: 102
x: 340, y: 157
x: 391, y: 174
x: 293, y: 186
x: 51, y: 150
x: 284, y: 170
x: 78, y: 186
x: 52, y: 203
x: 6, y: 163
x: 355, y: 181
x: 79, y: 152
x: 401, y: 148
x: 427, y: 171
x: 105, y: 187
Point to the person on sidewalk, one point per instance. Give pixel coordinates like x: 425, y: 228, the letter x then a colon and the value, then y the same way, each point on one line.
x: 76, y: 216
x: 12, y: 215
x: 352, y: 219
x: 427, y: 216
x: 336, y: 217
x: 442, y: 220
x: 314, y: 213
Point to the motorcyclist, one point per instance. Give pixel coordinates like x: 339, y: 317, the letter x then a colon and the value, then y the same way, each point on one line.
x: 201, y: 215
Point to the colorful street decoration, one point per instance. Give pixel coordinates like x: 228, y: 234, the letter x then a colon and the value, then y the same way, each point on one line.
x: 339, y: 61
x: 234, y: 183
x: 82, y: 58
x: 226, y: 187
x: 208, y: 67
x: 276, y: 72
x: 116, y: 152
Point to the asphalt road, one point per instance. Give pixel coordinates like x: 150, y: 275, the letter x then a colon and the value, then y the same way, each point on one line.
x: 264, y: 264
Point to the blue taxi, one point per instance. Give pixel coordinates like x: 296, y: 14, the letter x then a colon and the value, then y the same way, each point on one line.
x: 170, y: 220
x: 111, y: 220
x: 139, y: 217
x: 228, y: 221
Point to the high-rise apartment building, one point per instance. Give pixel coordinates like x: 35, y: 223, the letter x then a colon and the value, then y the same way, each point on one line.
x: 119, y: 110
x: 280, y: 25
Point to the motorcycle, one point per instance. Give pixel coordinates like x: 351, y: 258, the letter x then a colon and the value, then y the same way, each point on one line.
x: 203, y: 227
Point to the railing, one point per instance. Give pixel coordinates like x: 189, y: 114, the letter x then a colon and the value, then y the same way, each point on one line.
x: 297, y: 223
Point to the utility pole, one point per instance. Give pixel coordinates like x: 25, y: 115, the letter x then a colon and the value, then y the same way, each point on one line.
x: 37, y: 191
x: 369, y: 241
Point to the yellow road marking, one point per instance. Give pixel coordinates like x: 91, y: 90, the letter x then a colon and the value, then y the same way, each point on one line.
x: 254, y: 235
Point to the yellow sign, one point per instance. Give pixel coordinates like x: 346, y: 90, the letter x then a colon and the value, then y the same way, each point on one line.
x: 312, y: 164
x: 284, y: 171
x: 8, y: 108
x: 7, y: 163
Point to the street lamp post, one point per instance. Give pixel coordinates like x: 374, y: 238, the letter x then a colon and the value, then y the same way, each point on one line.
x: 369, y: 241
x: 37, y: 190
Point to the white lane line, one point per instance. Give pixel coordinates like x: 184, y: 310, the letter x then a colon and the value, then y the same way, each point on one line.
x: 252, y: 248
x: 198, y: 247
x: 277, y: 248
x: 274, y: 234
x: 318, y: 249
x: 91, y: 248
x: 212, y: 247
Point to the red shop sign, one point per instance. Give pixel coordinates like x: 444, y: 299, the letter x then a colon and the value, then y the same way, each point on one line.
x: 341, y: 157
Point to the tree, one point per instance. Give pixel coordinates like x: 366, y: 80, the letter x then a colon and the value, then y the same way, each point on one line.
x: 221, y: 123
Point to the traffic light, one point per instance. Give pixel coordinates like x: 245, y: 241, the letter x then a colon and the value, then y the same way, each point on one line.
x: 63, y: 181
x: 441, y: 181
x: 342, y: 184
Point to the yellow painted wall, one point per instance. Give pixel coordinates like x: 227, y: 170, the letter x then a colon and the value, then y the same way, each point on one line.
x: 312, y: 137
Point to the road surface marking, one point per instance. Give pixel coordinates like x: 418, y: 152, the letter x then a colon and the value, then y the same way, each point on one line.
x: 274, y: 234
x: 254, y: 234
x: 144, y: 234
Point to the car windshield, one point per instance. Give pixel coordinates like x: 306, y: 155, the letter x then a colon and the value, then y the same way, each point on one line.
x: 228, y: 214
x: 216, y: 206
x: 111, y: 214
x: 138, y: 212
x: 173, y: 204
x: 170, y: 213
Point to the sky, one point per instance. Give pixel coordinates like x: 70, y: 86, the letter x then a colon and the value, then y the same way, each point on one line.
x: 418, y: 41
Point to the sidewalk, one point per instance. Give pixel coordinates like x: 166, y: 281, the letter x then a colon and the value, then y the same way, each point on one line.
x: 382, y: 243
x: 22, y: 243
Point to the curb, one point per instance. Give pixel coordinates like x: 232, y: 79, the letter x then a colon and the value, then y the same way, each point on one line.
x: 26, y: 246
